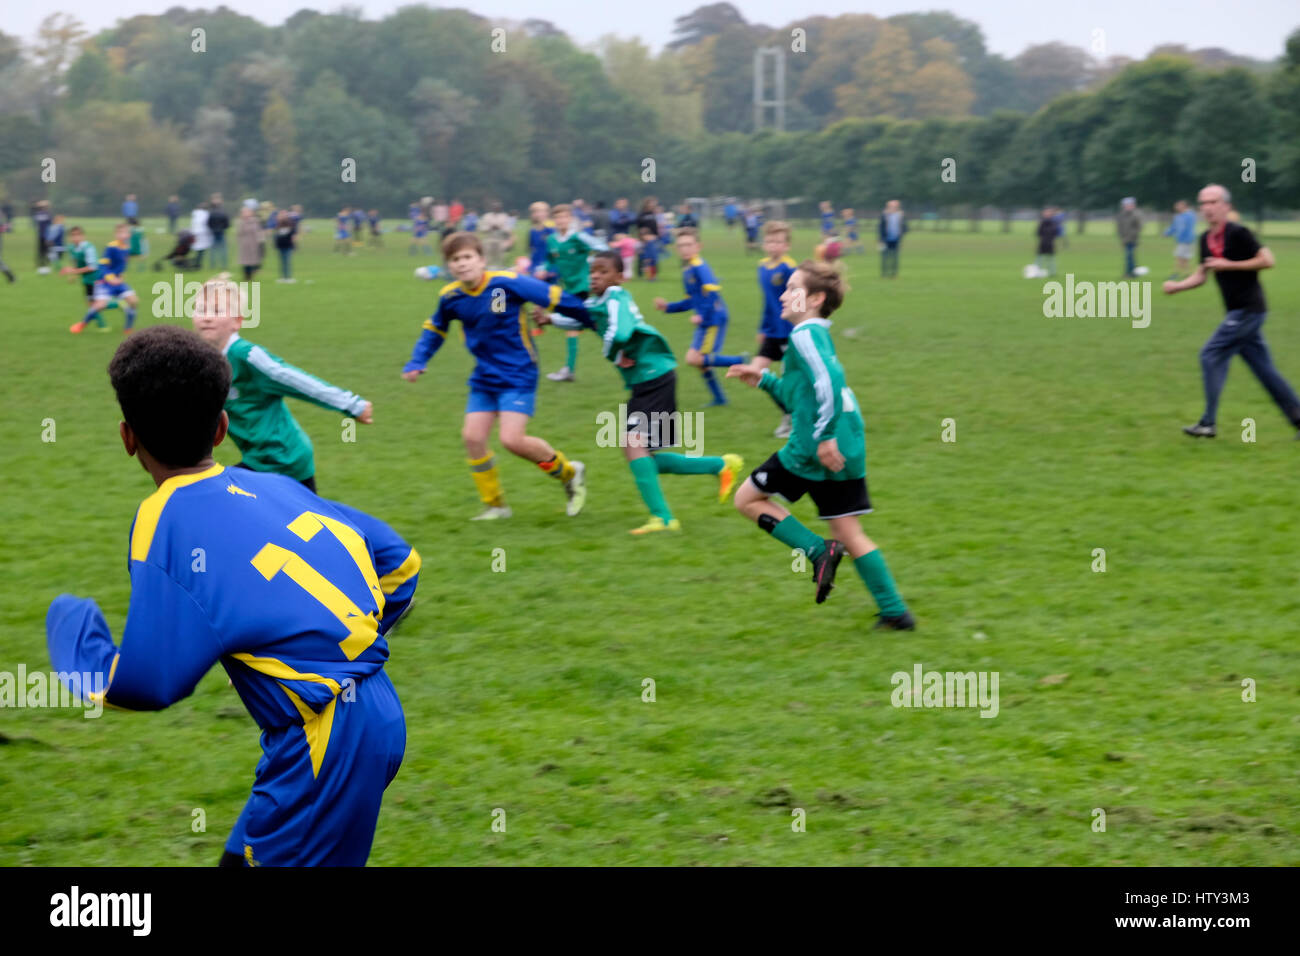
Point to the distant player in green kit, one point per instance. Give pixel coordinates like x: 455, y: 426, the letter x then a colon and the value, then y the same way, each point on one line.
x: 567, y: 252
x: 646, y: 362
x: 825, y: 456
x: 261, y: 425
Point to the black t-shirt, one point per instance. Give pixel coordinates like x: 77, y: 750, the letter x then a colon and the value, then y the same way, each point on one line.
x: 1240, y: 290
x: 218, y: 222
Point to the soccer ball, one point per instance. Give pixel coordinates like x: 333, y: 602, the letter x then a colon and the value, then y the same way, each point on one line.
x: 1032, y: 271
x: 1141, y: 271
x: 428, y: 272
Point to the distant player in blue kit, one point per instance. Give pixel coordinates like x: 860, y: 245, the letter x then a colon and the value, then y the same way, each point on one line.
x: 419, y: 235
x: 828, y: 218
x: 773, y: 274
x: 343, y: 230
x: 541, y: 227
x: 503, y: 387
x: 704, y: 299
x: 294, y: 596
x: 110, y: 286
x: 851, y: 231
x: 647, y: 257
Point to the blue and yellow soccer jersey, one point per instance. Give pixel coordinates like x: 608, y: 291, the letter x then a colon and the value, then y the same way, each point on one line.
x: 773, y: 274
x: 704, y: 295
x: 537, y: 247
x: 293, y: 594
x: 341, y: 223
x: 851, y: 227
x: 828, y: 222
x: 496, y: 330
x: 113, y: 263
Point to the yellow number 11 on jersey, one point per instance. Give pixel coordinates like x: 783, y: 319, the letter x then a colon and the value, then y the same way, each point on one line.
x: 363, y: 629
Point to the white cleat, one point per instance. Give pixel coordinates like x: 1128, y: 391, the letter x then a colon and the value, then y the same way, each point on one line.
x: 563, y: 375
x: 783, y: 430
x: 576, y: 489
x: 492, y: 513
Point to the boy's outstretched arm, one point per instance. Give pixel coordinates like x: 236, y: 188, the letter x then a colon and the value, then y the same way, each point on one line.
x: 285, y: 379
x: 396, y: 562
x: 554, y: 299
x: 167, y: 645
x: 432, y: 335
x: 766, y: 380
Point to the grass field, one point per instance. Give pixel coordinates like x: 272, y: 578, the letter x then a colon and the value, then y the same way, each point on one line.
x: 1119, y: 690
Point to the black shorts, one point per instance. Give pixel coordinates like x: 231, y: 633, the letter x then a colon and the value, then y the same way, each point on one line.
x: 652, y: 411
x: 834, y: 499
x: 773, y: 348
x: 90, y: 292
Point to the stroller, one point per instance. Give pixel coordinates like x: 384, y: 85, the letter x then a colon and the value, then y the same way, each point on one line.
x: 182, y: 256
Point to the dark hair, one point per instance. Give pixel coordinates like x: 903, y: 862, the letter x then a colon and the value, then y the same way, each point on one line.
x: 610, y: 256
x: 171, y: 386
x: 824, y: 277
x: 461, y: 240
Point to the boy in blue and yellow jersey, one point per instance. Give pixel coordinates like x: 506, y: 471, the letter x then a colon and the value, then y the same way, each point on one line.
x: 293, y: 594
x: 419, y: 234
x: 645, y: 361
x: 342, y: 230
x: 109, y: 282
x: 568, y: 250
x: 826, y: 454
x: 541, y: 228
x: 503, y: 386
x: 828, y: 218
x: 704, y: 299
x: 773, y: 331
x: 851, y: 230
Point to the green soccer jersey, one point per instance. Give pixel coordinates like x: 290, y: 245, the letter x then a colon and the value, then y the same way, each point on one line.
x: 567, y: 255
x: 627, y: 335
x: 84, y: 254
x: 821, y: 406
x: 260, y: 423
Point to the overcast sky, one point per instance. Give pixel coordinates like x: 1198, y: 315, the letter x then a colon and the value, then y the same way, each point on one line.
x: 1132, y: 27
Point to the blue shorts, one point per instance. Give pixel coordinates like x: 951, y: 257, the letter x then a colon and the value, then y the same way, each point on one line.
x: 297, y: 817
x: 501, y: 400
x: 110, y: 290
x: 709, y: 338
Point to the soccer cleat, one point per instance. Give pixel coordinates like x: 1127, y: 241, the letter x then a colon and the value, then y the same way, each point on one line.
x: 732, y: 466
x: 576, y: 489
x: 76, y: 327
x: 657, y: 523
x: 783, y: 430
x: 563, y: 375
x: 824, y: 566
x: 492, y: 513
x: 1199, y: 431
x: 901, y: 622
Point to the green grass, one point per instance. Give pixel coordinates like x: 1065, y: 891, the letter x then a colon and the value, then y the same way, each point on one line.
x: 523, y: 689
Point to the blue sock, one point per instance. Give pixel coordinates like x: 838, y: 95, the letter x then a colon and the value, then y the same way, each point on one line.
x: 722, y: 361
x: 130, y: 316
x: 714, y: 388
x: 93, y: 316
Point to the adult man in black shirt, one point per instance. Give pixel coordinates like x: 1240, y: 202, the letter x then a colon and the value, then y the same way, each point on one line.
x: 1234, y: 255
x: 218, y: 222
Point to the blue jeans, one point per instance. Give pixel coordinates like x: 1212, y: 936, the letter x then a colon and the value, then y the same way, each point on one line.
x: 218, y: 251
x: 1130, y: 262
x: 285, y: 271
x: 1241, y: 332
x: 889, y: 258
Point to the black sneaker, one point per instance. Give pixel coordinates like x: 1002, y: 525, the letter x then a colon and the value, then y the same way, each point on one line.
x: 1199, y: 431
x: 903, y: 622
x: 824, y: 568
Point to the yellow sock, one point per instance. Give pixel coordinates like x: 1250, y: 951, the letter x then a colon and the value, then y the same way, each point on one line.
x: 484, y: 472
x: 557, y: 467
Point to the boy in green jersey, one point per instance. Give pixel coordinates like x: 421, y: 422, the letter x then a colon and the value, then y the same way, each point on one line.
x: 261, y: 425
x: 825, y: 455
x: 85, y: 266
x: 644, y: 359
x: 567, y: 251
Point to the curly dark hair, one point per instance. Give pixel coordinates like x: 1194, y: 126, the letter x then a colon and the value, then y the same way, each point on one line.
x: 172, y: 386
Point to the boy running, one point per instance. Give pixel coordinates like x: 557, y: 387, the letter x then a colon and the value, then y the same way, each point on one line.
x: 567, y: 251
x: 503, y: 386
x: 826, y: 454
x: 704, y: 299
x: 645, y: 360
x: 773, y: 331
x: 295, y: 598
x: 85, y: 264
x: 109, y: 284
x: 261, y: 425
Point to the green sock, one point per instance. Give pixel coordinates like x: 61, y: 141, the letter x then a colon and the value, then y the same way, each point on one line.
x: 647, y: 482
x: 790, y: 532
x: 571, y: 345
x: 671, y: 463
x: 875, y: 574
